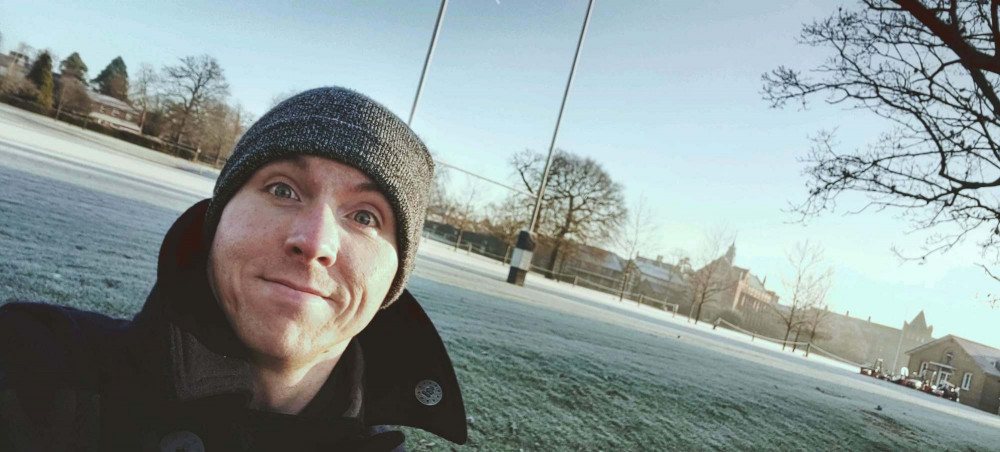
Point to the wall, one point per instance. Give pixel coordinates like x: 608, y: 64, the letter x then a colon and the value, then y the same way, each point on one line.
x: 982, y: 393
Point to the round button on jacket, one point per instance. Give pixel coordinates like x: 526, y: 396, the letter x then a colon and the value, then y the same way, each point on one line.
x: 428, y: 392
x: 182, y: 441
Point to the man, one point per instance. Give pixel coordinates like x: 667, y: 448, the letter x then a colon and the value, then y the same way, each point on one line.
x: 279, y: 319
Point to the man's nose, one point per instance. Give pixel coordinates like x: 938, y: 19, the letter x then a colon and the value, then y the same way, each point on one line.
x: 315, y: 236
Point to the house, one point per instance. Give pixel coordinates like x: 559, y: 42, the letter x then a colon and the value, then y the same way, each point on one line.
x: 111, y: 112
x: 748, y: 291
x: 15, y: 62
x: 973, y: 367
x: 659, y: 280
x: 743, y: 290
x: 593, y: 267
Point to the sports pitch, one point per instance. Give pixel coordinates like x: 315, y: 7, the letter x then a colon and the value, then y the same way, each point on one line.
x: 543, y: 367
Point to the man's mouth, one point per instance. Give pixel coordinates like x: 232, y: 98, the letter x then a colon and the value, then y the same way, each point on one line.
x: 298, y: 287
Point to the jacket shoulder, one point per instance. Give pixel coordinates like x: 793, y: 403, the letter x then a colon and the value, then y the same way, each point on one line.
x: 50, y: 345
x: 49, y: 374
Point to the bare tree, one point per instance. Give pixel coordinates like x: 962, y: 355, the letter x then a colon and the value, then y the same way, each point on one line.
x: 73, y: 97
x: 143, y: 91
x: 189, y: 87
x: 465, y: 208
x: 439, y: 203
x: 713, y: 276
x: 506, y: 218
x: 807, y: 286
x: 14, y: 81
x: 637, y: 234
x: 930, y: 67
x: 581, y: 202
x: 219, y: 127
x: 814, y: 319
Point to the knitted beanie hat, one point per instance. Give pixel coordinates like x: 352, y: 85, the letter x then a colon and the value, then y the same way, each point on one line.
x: 350, y: 128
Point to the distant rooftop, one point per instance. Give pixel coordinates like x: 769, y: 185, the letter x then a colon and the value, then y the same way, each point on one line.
x: 109, y: 101
x: 651, y: 269
x: 988, y: 358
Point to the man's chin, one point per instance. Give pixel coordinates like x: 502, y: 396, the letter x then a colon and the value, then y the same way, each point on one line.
x: 280, y: 343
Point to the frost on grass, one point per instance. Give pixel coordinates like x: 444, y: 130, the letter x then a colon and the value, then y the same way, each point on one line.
x: 541, y: 367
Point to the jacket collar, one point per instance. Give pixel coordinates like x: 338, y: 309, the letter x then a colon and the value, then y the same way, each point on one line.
x: 402, y: 374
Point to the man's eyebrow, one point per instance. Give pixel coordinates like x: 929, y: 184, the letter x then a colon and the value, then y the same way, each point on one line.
x: 296, y: 160
x: 367, y: 186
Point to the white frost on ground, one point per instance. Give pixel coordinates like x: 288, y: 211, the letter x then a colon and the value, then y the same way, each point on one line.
x: 31, y: 138
x: 730, y: 343
x: 59, y: 143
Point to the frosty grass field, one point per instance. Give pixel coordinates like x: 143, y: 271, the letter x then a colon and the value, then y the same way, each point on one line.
x: 544, y: 367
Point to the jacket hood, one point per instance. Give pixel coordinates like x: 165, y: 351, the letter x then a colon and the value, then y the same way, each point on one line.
x: 408, y: 378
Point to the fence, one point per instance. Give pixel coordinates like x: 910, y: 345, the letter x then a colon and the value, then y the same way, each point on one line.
x: 88, y: 123
x: 639, y: 298
x: 809, y: 346
x: 569, y: 278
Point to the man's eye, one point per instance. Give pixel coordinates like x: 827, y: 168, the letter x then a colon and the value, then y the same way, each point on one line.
x: 282, y: 190
x: 366, y: 218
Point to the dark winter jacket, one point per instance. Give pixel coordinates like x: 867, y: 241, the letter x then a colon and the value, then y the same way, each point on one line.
x: 175, y: 377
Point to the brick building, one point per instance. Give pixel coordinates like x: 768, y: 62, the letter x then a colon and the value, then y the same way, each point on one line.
x: 14, y: 63
x: 744, y: 290
x: 111, y: 112
x: 973, y: 367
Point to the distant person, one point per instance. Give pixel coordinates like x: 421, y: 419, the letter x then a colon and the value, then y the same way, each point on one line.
x: 279, y: 319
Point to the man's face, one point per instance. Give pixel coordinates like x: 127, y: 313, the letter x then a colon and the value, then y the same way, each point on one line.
x: 303, y: 257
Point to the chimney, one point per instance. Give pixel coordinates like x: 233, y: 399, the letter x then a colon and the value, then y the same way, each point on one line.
x: 869, y: 319
x: 659, y: 259
x: 848, y: 313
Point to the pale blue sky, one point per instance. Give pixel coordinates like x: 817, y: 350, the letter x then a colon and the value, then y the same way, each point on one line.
x: 666, y: 97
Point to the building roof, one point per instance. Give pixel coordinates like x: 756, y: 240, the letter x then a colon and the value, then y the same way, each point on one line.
x: 18, y: 60
x: 109, y: 101
x: 988, y: 358
x: 602, y: 258
x: 613, y: 262
x: 756, y: 284
x: 650, y: 269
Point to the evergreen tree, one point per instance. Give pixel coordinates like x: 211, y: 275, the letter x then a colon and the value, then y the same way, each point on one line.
x: 113, y: 80
x: 41, y: 76
x: 74, y: 66
x: 71, y: 88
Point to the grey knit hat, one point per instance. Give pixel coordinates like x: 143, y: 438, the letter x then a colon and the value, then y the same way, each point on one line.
x: 346, y: 126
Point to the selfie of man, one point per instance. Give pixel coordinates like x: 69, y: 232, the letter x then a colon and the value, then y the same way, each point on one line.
x: 251, y: 337
x: 499, y: 225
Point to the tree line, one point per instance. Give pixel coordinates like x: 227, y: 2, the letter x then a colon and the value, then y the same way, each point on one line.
x: 583, y: 205
x: 186, y: 105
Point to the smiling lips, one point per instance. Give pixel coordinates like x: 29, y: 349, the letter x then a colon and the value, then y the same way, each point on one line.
x: 299, y: 288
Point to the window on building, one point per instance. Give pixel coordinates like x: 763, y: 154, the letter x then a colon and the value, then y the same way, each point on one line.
x: 948, y: 357
x: 966, y: 380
